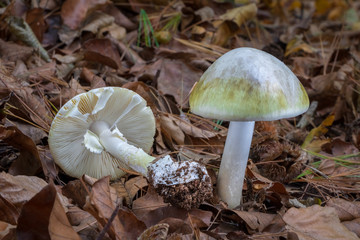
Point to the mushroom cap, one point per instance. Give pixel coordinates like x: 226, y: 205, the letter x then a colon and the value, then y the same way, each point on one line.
x: 119, y: 107
x: 247, y: 84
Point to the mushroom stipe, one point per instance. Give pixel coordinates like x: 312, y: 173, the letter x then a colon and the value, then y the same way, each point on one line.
x: 102, y: 131
x: 243, y: 86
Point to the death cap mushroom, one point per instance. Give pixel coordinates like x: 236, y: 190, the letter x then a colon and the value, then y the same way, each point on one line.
x: 243, y: 86
x: 117, y: 113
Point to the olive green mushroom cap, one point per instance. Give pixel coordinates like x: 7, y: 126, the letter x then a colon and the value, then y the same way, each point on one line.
x: 247, y: 84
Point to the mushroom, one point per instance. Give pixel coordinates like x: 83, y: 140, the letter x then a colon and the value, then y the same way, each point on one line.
x: 242, y: 86
x: 101, y: 131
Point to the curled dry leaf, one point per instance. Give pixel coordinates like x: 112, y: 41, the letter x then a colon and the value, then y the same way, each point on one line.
x: 15, y: 192
x: 74, y: 12
x: 315, y: 222
x: 28, y: 163
x: 125, y: 225
x: 43, y: 217
x: 94, y: 80
x: 346, y: 210
x: 130, y: 188
x: 143, y: 205
x: 171, y: 130
x: 255, y: 221
x: 12, y: 52
x: 176, y: 77
x: 83, y: 222
x: 192, y: 130
x: 102, y: 51
x: 35, y: 19
x: 159, y: 214
x: 353, y: 226
x: 158, y: 231
x: 231, y: 21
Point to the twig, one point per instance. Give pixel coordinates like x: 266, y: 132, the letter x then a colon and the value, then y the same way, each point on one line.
x: 108, y: 224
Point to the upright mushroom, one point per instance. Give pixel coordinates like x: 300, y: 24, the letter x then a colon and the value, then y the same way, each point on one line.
x: 242, y: 86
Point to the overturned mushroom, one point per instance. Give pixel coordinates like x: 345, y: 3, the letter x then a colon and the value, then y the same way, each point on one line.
x: 105, y: 130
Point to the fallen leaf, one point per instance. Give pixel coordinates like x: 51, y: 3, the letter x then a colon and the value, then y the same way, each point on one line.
x: 171, y: 130
x: 94, y: 80
x: 318, y: 131
x: 7, y: 231
x: 28, y: 163
x: 35, y: 19
x: 12, y: 52
x: 315, y: 222
x: 150, y: 201
x: 102, y: 51
x: 25, y: 99
x: 100, y: 204
x: 74, y: 12
x: 158, y: 231
x: 134, y: 185
x: 256, y: 221
x: 155, y: 216
x: 75, y: 190
x: 353, y: 226
x: 43, y: 217
x: 346, y: 210
x: 15, y: 192
x: 231, y: 21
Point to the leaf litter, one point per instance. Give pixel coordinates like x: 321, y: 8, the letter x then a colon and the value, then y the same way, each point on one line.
x: 303, y: 177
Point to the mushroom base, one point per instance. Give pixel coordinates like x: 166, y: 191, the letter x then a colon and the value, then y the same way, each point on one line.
x: 183, y: 193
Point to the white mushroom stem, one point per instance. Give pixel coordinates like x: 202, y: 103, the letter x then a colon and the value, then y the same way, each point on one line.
x: 234, y: 161
x: 101, y: 137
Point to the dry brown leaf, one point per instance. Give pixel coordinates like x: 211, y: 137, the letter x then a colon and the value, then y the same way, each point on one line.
x: 15, y: 192
x: 231, y: 21
x: 172, y: 130
x: 75, y: 190
x: 10, y: 51
x: 256, y: 221
x: 130, y: 188
x: 74, y: 12
x: 6, y: 230
x: 159, y: 214
x: 135, y: 184
x: 29, y: 162
x: 120, y: 18
x: 177, y: 225
x: 192, y: 130
x: 176, y: 76
x: 315, y: 222
x: 346, y: 210
x: 35, y: 19
x: 43, y: 217
x: 158, y: 231
x: 150, y: 201
x: 97, y: 20
x: 94, y: 80
x: 102, y: 51
x: 353, y: 226
x: 26, y: 100
x: 100, y: 204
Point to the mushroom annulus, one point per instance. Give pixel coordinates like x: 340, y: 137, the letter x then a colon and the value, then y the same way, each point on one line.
x: 243, y: 86
x: 107, y: 130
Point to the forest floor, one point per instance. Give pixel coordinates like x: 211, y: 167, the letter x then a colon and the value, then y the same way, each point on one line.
x: 303, y: 174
